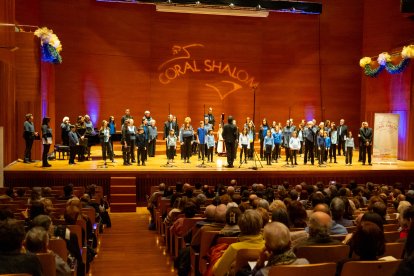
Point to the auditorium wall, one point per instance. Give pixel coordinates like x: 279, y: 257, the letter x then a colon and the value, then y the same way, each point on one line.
x: 389, y: 31
x: 119, y: 55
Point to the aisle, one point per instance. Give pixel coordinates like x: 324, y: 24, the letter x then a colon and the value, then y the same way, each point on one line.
x: 129, y: 248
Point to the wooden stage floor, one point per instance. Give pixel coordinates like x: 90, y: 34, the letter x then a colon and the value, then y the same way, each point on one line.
x: 21, y: 174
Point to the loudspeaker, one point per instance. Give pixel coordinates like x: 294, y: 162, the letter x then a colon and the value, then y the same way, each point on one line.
x: 407, y: 6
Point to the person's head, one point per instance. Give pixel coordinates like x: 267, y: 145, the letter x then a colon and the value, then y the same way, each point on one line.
x: 380, y: 208
x: 37, y: 240
x: 68, y: 189
x: 264, y: 214
x: 209, y: 212
x: 36, y: 208
x: 206, y: 120
x: 111, y: 119
x: 104, y: 124
x: 220, y: 213
x: 65, y: 120
x: 140, y: 130
x: 130, y: 122
x: 172, y: 132
x: 71, y: 214
x: 250, y: 222
x: 280, y: 215
x: 190, y: 209
x: 147, y: 113
x: 29, y: 117
x: 244, y: 131
x: 11, y: 236
x: 45, y: 121
x: 319, y: 224
x: 349, y: 134
x: 341, y: 122
x: 201, y: 123
x: 277, y: 238
x: 373, y: 217
x: 210, y: 110
x: 43, y: 221
x: 210, y: 132
x: 337, y: 208
x: 297, y: 214
x: 6, y: 213
x: 72, y: 128
x: 322, y: 207
x: 368, y: 241
x: 325, y: 134
x: 264, y: 122
x: 269, y: 133
x: 294, y: 134
x: 127, y: 111
x: 277, y: 204
x: 232, y: 215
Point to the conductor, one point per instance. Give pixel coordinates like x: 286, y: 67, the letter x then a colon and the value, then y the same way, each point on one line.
x: 230, y: 137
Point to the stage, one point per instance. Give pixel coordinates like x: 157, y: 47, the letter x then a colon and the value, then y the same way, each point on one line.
x: 19, y: 174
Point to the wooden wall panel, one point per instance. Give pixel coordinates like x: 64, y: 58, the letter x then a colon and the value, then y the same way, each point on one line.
x: 389, y: 93
x: 113, y: 52
x: 27, y: 89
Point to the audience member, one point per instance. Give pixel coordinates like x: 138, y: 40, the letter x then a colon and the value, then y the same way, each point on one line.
x: 37, y: 241
x: 277, y: 249
x: 11, y: 258
x: 250, y: 223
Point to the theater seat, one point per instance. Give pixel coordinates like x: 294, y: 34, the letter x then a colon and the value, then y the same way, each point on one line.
x: 370, y: 268
x: 48, y: 263
x: 244, y: 256
x: 308, y: 270
x: 323, y: 254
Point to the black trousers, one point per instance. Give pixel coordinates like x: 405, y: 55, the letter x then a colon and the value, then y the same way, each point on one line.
x: 72, y: 154
x: 332, y: 152
x: 268, y: 154
x: 309, y: 152
x: 366, y: 150
x: 201, y: 150
x: 107, y: 150
x: 141, y: 155
x: 151, y: 148
x: 126, y: 154
x: 287, y: 152
x: 131, y: 145
x: 261, y: 148
x: 349, y: 152
x: 46, y: 148
x: 170, y: 152
x: 243, y: 149
x: 28, y: 149
x: 210, y: 154
x: 341, y: 146
x: 321, y: 157
x: 230, y: 149
x: 293, y: 154
x: 275, y: 153
x: 251, y: 150
x: 187, y: 147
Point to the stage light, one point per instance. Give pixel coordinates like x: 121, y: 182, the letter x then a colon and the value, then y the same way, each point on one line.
x: 231, y: 5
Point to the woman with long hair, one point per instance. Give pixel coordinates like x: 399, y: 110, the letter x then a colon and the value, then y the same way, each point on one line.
x: 46, y: 140
x: 105, y: 136
x: 262, y: 134
x: 186, y: 139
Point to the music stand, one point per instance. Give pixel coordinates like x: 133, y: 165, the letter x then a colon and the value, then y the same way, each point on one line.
x: 256, y: 158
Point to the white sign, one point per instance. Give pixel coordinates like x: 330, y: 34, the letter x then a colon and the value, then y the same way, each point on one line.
x: 386, y: 138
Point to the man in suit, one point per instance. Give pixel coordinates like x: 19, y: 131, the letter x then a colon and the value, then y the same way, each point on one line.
x: 342, y: 134
x: 210, y: 116
x: 73, y: 144
x: 168, y: 125
x: 366, y: 136
x: 309, y: 137
x: 126, y: 116
x: 230, y: 138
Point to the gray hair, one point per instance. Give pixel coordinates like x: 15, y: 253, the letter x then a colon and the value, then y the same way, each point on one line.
x: 37, y: 240
x: 264, y: 204
x: 250, y: 222
x: 277, y: 237
x: 337, y: 208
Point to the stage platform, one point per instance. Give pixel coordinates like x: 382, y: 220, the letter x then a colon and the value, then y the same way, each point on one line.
x: 20, y: 174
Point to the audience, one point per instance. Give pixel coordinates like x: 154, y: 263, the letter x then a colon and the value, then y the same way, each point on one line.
x: 12, y: 260
x: 37, y: 241
x: 250, y: 223
x: 277, y: 249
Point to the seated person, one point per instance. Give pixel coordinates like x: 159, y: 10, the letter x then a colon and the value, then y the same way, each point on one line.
x: 320, y: 224
x: 368, y: 243
x: 250, y: 223
x: 218, y: 224
x: 336, y: 228
x: 231, y: 228
x: 277, y: 249
x: 338, y: 210
x: 37, y: 241
x: 60, y: 231
x: 11, y: 258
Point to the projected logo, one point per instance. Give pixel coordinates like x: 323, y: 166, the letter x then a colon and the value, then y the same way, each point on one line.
x: 182, y: 63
